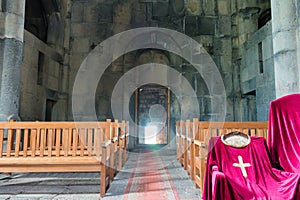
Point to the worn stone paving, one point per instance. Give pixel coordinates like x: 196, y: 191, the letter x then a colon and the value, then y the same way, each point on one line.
x: 59, y: 186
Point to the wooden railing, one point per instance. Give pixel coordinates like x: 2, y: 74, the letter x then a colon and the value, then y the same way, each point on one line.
x: 64, y: 147
x: 192, y: 142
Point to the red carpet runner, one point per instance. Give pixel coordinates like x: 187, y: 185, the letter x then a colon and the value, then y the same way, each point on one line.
x: 150, y: 179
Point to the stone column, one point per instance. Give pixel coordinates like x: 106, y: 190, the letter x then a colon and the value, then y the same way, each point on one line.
x: 122, y: 16
x: 11, y: 49
x: 284, y: 21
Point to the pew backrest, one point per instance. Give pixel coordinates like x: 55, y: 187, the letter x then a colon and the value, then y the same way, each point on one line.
x: 54, y: 139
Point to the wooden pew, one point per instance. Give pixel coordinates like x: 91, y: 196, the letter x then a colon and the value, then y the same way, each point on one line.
x: 185, y: 149
x: 193, y: 150
x: 61, y: 147
x: 123, y: 142
x: 180, y: 141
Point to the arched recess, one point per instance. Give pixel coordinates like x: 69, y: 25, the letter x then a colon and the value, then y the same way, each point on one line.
x: 43, y: 61
x: 264, y: 17
x: 36, y: 19
x: 43, y: 19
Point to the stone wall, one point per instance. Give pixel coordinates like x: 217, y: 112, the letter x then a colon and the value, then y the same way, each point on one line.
x: 222, y: 27
x: 42, y: 78
x: 257, y: 74
x: 227, y: 29
x: 90, y: 23
x: 244, y: 19
x: 11, y: 46
x: 208, y: 22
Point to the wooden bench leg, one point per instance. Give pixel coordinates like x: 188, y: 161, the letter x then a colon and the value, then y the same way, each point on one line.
x: 103, y: 180
x: 120, y: 162
x: 103, y: 173
x: 112, y: 162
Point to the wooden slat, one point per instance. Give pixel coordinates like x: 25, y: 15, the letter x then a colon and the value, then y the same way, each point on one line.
x: 18, y: 140
x: 75, y: 142
x: 97, y: 143
x: 108, y: 131
x: 53, y: 125
x: 57, y: 142
x: 65, y: 137
x: 25, y: 142
x: 90, y: 142
x: 70, y: 137
x: 82, y: 138
x: 42, y: 134
x: 115, y: 129
x: 38, y: 139
x: 33, y: 142
x: 102, y: 138
x: 50, y: 141
x: 9, y: 142
x: 1, y: 141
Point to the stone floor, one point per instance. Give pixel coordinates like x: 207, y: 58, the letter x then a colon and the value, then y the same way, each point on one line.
x: 164, y: 179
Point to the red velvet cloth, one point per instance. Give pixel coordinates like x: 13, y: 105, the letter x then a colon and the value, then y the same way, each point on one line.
x: 262, y: 182
x: 284, y: 132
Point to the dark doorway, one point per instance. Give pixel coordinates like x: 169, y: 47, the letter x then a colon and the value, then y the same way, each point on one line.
x: 153, y: 114
x: 49, y: 108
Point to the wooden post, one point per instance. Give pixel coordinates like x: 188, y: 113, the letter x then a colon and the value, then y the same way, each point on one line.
x: 112, y: 161
x: 1, y: 141
x: 103, y: 171
x: 108, y: 130
x: 195, y: 148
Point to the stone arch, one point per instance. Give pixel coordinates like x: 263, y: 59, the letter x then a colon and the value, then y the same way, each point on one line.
x: 152, y: 55
x: 264, y: 17
x: 43, y: 19
x: 36, y: 19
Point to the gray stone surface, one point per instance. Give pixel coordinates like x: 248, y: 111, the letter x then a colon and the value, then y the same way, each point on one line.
x: 11, y: 46
x: 227, y: 29
x: 285, y: 47
x: 10, y: 67
x: 252, y: 80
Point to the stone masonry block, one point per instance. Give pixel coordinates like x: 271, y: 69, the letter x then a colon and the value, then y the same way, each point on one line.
x: 226, y: 63
x: 206, y: 25
x: 267, y: 47
x: 224, y: 25
x: 160, y: 9
x: 79, y: 30
x: 269, y: 69
x: 227, y: 79
x: 77, y: 12
x: 81, y: 45
x: 210, y: 7
x: 223, y: 7
x: 248, y: 86
x: 222, y: 46
x: 53, y: 83
x: 105, y: 12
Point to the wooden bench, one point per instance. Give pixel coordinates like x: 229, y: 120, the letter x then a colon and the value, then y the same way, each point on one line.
x: 64, y: 147
x: 192, y: 142
x: 185, y: 147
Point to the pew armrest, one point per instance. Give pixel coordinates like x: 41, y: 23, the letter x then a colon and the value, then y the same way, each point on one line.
x: 219, y: 183
x: 200, y: 143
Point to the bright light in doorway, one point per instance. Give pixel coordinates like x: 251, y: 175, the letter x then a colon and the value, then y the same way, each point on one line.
x: 150, y: 134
